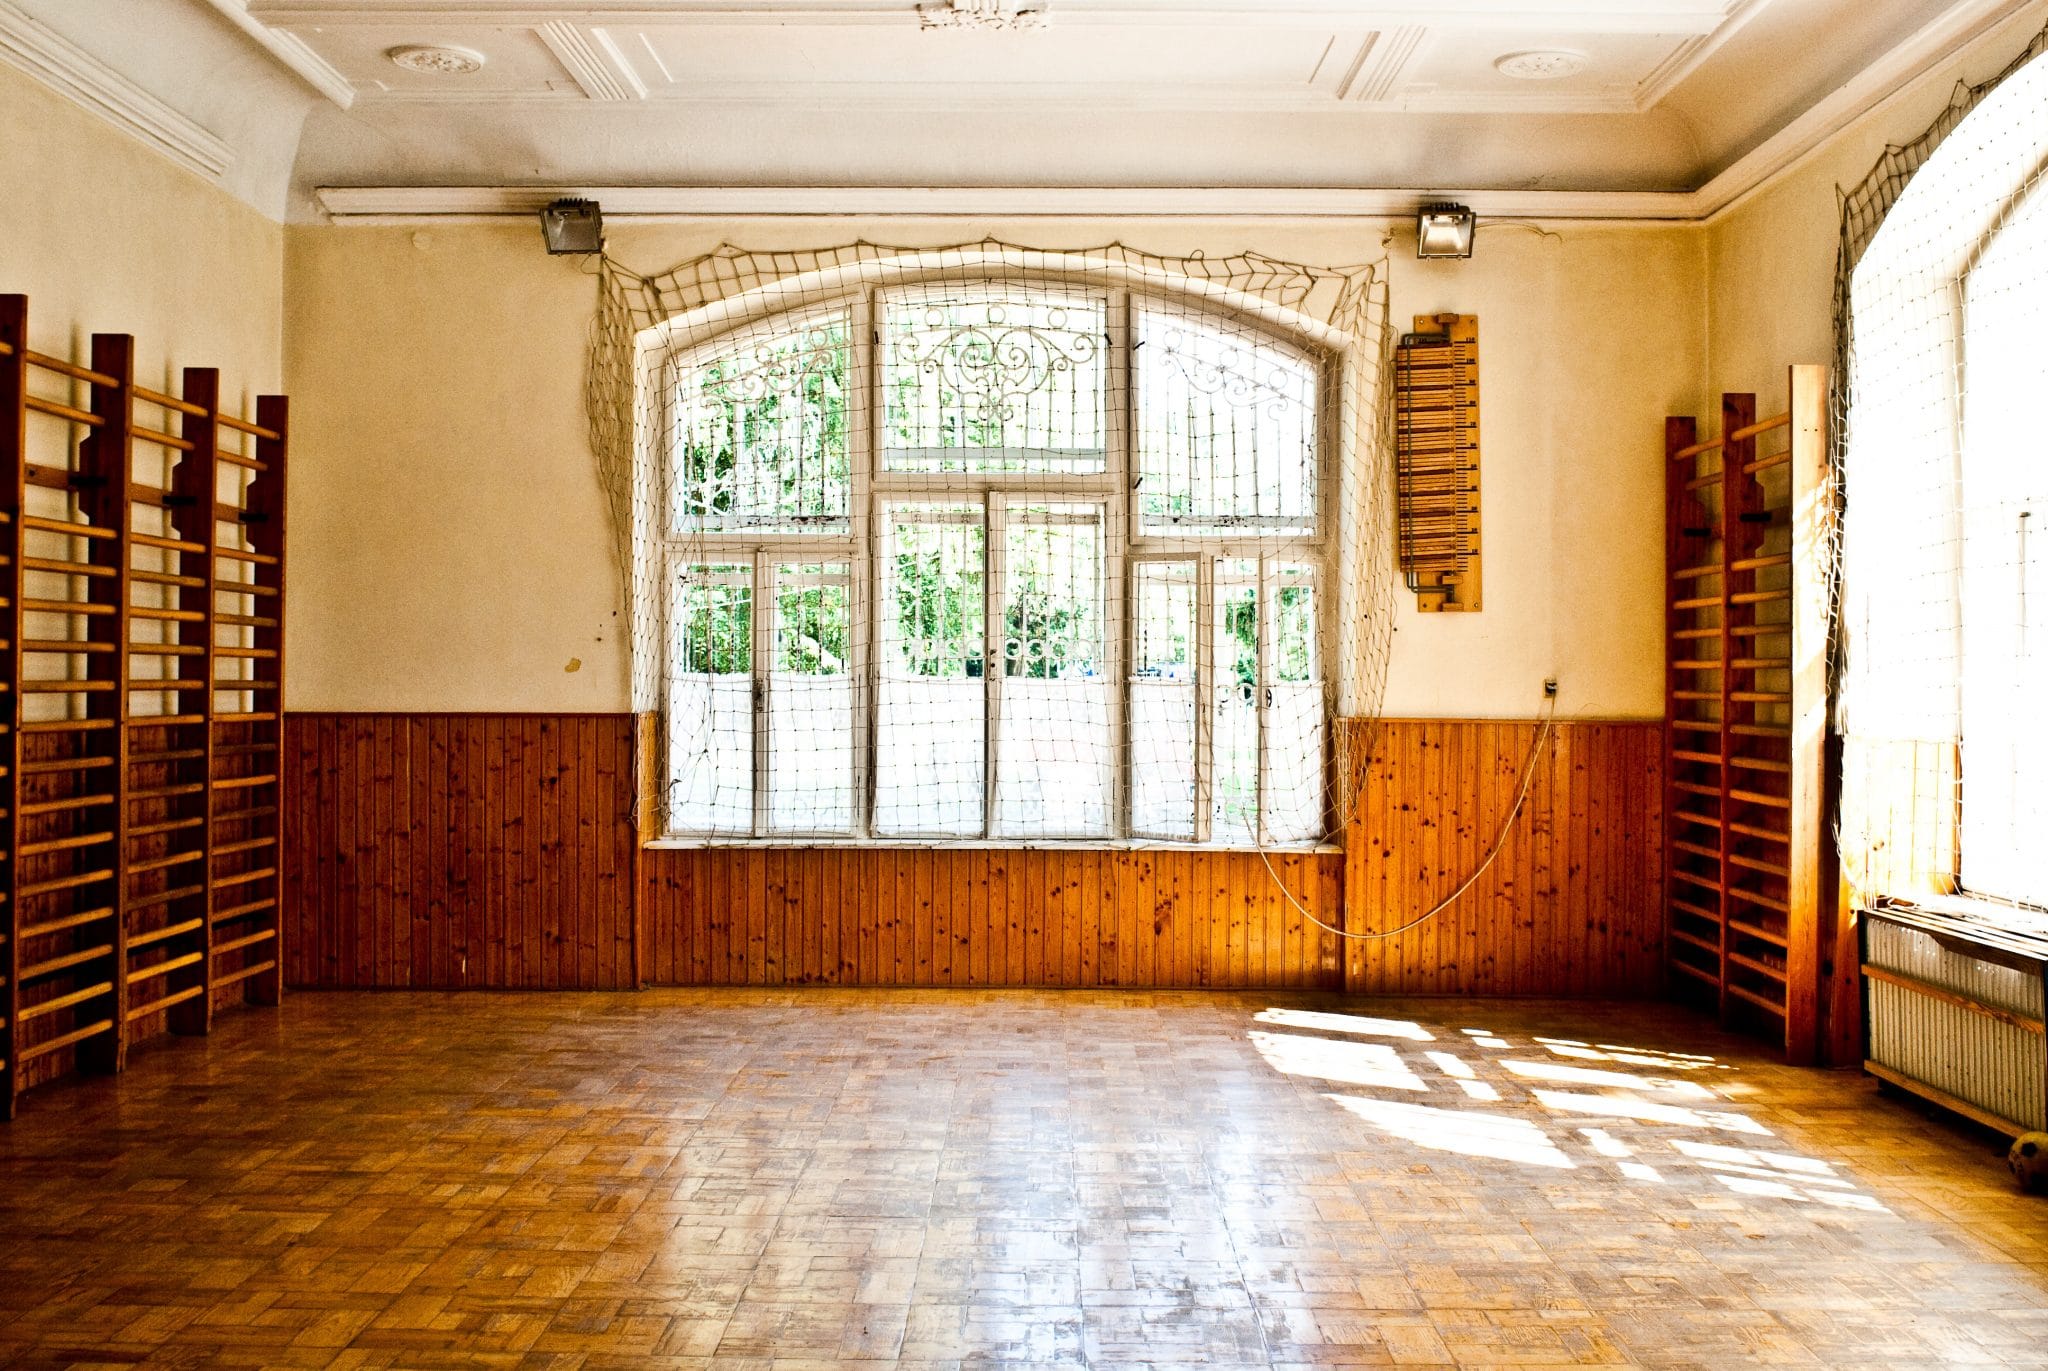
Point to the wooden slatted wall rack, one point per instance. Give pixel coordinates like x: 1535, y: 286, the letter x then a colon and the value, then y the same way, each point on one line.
x: 113, y: 843
x: 1745, y: 715
x: 1436, y: 447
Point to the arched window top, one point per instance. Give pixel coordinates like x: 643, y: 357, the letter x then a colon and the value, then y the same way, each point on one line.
x: 951, y: 556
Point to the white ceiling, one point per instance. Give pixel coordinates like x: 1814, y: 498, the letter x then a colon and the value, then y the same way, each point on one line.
x: 1145, y: 93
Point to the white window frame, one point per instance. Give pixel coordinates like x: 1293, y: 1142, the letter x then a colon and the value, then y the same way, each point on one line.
x: 871, y: 488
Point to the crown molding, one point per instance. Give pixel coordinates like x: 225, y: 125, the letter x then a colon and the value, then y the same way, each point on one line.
x: 288, y: 48
x: 1877, y: 85
x: 412, y: 204
x: 92, y: 85
x: 1590, y: 16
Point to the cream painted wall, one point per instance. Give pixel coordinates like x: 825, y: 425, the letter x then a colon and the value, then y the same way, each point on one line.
x: 451, y: 552
x: 1771, y: 257
x: 103, y: 235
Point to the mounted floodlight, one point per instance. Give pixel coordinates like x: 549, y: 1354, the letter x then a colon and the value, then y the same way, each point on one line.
x: 573, y: 226
x: 1444, y: 231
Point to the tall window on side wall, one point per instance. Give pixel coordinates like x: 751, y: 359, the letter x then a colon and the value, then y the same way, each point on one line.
x: 2004, y: 582
x: 988, y: 560
x: 1944, y: 590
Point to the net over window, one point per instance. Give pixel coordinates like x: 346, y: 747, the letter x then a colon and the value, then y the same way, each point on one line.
x: 986, y: 553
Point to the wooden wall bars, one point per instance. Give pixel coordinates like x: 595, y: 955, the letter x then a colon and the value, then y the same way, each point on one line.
x: 1746, y: 710
x: 144, y: 546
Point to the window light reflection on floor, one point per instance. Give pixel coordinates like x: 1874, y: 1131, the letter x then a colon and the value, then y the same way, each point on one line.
x: 1633, y: 1106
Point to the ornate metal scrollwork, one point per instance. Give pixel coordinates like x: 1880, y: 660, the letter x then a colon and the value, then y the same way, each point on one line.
x: 995, y: 361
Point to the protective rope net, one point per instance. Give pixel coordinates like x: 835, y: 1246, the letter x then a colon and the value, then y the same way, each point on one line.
x: 1941, y: 597
x: 988, y: 542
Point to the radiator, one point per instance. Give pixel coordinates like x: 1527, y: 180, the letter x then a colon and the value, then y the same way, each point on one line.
x: 1954, y: 1011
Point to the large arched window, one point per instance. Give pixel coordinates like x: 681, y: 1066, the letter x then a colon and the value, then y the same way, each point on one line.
x: 1945, y: 554
x: 971, y: 559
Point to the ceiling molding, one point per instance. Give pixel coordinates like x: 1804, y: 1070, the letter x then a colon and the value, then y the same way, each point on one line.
x: 593, y: 59
x: 1613, y: 16
x: 412, y: 204
x: 1689, y: 56
x: 1878, y: 84
x: 91, y: 84
x: 1381, y: 65
x: 288, y: 48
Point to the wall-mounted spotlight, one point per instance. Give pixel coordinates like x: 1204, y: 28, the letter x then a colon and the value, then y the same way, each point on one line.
x: 573, y: 226
x: 1444, y: 231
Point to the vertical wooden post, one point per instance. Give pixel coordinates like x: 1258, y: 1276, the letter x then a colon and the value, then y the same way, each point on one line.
x: 265, y: 519
x: 189, y: 504
x: 1741, y: 535
x: 13, y: 460
x: 1804, y: 951
x: 107, y: 464
x: 1683, y: 516
x: 647, y: 823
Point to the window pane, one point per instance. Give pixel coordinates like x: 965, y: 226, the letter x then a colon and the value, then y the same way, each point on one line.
x: 2004, y: 595
x: 1163, y: 700
x: 1053, y: 772
x: 1226, y: 430
x: 711, y: 699
x: 761, y: 431
x: 1234, y: 813
x: 1294, y: 711
x: 931, y: 714
x: 811, y: 733
x: 993, y: 378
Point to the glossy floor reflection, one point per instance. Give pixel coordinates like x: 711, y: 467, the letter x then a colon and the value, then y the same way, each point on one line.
x: 765, y: 1179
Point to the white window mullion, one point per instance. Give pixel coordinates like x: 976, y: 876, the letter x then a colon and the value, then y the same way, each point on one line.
x: 763, y: 653
x: 1262, y: 695
x: 1205, y: 696
x: 864, y: 599
x: 1116, y: 585
x: 995, y: 590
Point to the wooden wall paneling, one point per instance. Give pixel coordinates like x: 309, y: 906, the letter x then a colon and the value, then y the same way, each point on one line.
x: 1538, y: 922
x: 448, y: 851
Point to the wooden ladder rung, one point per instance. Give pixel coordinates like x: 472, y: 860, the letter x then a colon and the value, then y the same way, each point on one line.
x: 164, y: 968
x: 1742, y: 992
x: 261, y: 935
x: 76, y: 919
x: 174, y: 998
x: 24, y: 1055
x: 57, y: 883
x: 37, y: 849
x: 164, y: 863
x: 157, y: 935
x: 1758, y: 931
x: 52, y: 965
x: 51, y: 1006
x: 243, y: 911
x: 244, y: 877
x: 1757, y: 898
x: 157, y: 897
x: 244, y: 974
x: 1697, y: 972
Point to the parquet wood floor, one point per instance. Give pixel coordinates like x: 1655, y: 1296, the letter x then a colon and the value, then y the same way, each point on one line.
x: 752, y: 1179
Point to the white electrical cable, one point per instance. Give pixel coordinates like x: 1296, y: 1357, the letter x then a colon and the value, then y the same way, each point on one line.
x: 1499, y: 842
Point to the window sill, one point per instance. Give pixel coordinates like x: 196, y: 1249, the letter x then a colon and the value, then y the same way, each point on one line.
x: 993, y: 844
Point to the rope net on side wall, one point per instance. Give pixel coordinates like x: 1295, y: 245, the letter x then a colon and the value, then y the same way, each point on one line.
x: 993, y: 543
x: 1942, y: 591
